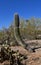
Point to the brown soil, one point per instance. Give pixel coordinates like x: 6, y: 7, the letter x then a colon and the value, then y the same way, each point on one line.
x: 33, y: 58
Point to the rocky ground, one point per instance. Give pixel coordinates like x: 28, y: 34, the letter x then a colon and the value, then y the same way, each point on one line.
x: 33, y: 58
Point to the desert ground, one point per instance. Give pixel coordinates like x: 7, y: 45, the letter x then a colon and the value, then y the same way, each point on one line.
x: 33, y: 58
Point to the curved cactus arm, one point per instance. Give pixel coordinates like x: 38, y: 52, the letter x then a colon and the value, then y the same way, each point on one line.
x: 17, y: 32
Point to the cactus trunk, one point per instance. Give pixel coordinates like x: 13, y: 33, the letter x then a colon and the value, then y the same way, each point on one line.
x: 17, y: 32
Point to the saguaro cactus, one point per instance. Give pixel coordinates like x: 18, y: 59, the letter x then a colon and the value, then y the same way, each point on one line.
x: 17, y: 32
x: 18, y: 36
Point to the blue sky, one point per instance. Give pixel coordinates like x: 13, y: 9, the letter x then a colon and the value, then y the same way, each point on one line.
x: 25, y: 8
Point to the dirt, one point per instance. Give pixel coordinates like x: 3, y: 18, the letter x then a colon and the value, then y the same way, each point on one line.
x: 33, y: 58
